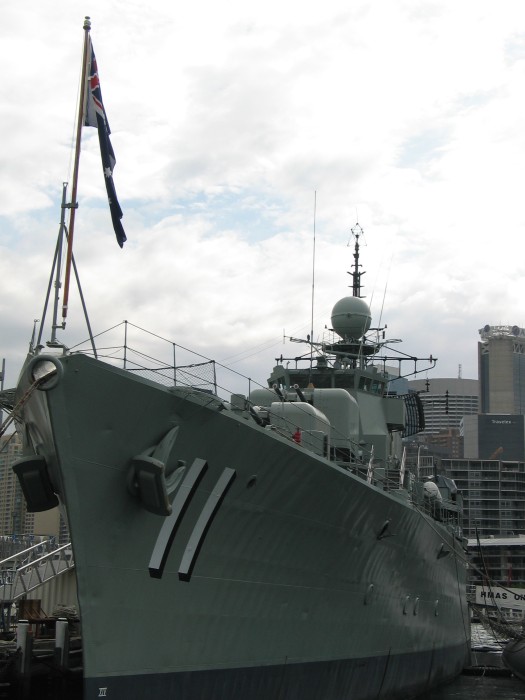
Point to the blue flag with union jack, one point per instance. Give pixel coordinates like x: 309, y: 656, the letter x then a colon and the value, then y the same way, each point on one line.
x: 95, y: 115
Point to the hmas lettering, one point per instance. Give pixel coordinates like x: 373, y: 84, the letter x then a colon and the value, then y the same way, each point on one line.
x: 495, y: 596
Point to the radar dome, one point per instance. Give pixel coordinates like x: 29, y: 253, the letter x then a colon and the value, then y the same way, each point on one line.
x: 351, y: 317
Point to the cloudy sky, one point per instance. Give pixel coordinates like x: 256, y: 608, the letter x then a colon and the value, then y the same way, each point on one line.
x: 232, y: 123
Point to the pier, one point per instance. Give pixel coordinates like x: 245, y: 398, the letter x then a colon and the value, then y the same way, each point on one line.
x: 40, y: 653
x: 49, y: 665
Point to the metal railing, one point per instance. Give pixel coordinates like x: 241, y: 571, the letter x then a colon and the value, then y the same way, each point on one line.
x: 30, y: 568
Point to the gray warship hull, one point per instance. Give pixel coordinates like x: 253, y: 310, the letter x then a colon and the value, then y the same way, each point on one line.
x: 277, y: 573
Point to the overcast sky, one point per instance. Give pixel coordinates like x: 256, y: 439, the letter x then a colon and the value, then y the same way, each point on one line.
x: 228, y: 121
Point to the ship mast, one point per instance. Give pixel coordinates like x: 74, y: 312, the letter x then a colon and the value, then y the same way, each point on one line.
x: 87, y: 27
x: 356, y: 273
x: 63, y: 230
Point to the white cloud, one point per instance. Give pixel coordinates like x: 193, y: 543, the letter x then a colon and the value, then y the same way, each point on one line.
x: 226, y: 119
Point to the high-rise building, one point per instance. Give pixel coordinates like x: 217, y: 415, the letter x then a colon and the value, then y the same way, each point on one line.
x: 491, y: 474
x: 445, y: 402
x: 501, y: 361
x: 493, y: 495
x: 14, y: 518
x: 494, y: 436
x: 503, y: 560
x: 446, y: 443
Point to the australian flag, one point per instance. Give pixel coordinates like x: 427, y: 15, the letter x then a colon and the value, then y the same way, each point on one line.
x: 95, y: 115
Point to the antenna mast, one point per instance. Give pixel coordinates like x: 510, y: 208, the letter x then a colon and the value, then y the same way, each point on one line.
x: 356, y: 274
x: 311, y: 336
x: 313, y: 272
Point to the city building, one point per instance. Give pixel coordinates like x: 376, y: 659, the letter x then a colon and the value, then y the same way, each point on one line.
x: 493, y: 495
x: 447, y: 443
x: 494, y: 436
x: 501, y: 361
x: 445, y: 402
x: 15, y: 520
x: 502, y: 559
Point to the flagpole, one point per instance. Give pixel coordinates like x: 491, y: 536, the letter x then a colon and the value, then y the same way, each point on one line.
x: 74, y: 205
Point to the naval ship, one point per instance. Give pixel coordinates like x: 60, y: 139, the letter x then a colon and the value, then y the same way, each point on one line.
x: 263, y: 545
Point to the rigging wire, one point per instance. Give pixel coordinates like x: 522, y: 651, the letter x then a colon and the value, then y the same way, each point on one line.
x: 386, y: 287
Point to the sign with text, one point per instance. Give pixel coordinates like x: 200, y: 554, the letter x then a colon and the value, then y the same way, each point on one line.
x: 501, y: 597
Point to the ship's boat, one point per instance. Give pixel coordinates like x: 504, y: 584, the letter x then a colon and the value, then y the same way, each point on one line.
x: 261, y: 544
